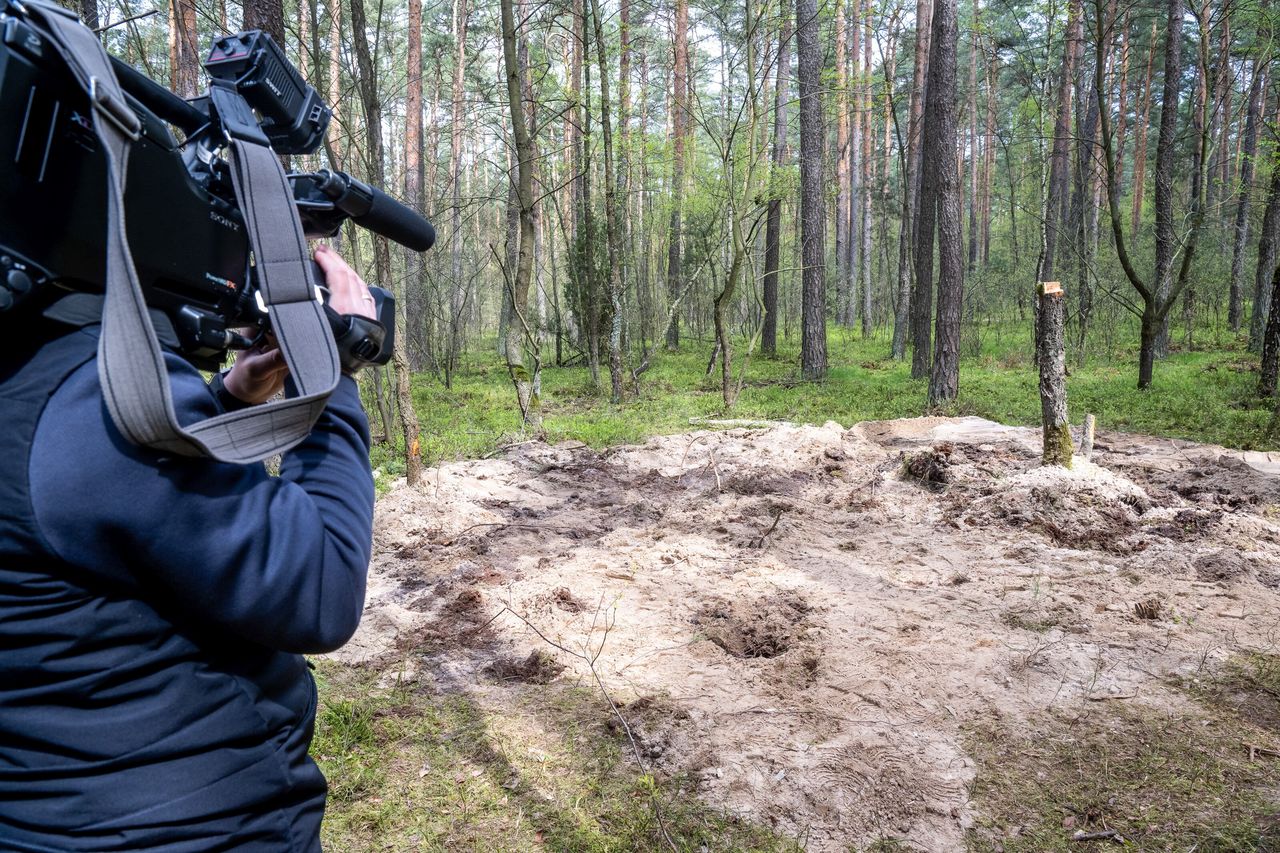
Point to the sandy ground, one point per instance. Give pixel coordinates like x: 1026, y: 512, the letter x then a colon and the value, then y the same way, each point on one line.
x: 818, y: 625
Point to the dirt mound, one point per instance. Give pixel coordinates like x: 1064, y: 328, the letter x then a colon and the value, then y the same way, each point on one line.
x: 1084, y: 506
x: 538, y: 668
x: 764, y: 628
x: 791, y: 623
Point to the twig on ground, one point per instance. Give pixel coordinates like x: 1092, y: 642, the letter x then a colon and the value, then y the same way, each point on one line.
x: 1255, y: 751
x: 589, y: 657
x: 541, y: 527
x: 1104, y: 835
x: 777, y: 516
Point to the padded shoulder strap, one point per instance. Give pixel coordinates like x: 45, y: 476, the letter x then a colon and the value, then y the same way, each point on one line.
x: 130, y: 363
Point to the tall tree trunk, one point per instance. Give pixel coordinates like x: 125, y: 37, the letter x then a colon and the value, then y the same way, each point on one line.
x: 1268, y: 242
x: 413, y: 343
x: 267, y: 15
x: 368, y: 86
x: 410, y: 294
x: 940, y: 137
x: 1203, y: 127
x: 1059, y: 160
x: 334, y: 135
x: 989, y: 149
x: 865, y: 203
x: 184, y: 51
x: 926, y: 219
x: 773, y: 222
x: 519, y: 330
x: 1271, y: 342
x: 1166, y: 153
x: 1218, y: 168
x: 974, y: 193
x: 1140, y: 146
x: 1235, y: 309
x: 457, y: 287
x: 846, y: 168
x: 813, y: 330
x: 905, y: 313
x: 1122, y: 110
x: 613, y: 228
x: 680, y: 124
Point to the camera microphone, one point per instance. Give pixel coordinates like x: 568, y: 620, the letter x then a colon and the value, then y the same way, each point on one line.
x: 394, y: 220
x: 327, y: 197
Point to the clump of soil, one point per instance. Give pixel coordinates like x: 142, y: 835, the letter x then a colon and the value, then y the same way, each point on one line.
x: 562, y: 598
x: 537, y: 668
x: 1225, y: 482
x: 1224, y: 565
x: 764, y: 628
x: 1188, y: 524
x: 1083, y: 507
x: 931, y: 467
x: 660, y: 728
x: 458, y: 622
x: 1150, y: 608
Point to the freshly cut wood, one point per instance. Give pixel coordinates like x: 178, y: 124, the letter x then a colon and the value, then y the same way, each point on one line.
x: 1051, y: 357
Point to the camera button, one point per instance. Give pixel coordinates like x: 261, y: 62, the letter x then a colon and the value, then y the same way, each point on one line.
x: 19, y: 282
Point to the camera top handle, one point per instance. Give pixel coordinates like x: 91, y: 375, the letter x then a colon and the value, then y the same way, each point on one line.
x: 131, y: 367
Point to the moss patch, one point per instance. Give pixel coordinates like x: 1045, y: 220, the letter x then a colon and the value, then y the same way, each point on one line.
x: 1160, y: 780
x: 417, y: 771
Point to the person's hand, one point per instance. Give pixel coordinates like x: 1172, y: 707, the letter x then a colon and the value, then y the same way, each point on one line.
x: 348, y: 294
x: 258, y: 374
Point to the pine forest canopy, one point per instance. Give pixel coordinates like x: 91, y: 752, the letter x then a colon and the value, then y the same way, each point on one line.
x: 613, y: 178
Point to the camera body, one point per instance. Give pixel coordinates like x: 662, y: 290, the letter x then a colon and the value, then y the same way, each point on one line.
x: 184, y: 225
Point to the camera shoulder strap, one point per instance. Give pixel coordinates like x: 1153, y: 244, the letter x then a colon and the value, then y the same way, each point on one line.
x: 131, y: 365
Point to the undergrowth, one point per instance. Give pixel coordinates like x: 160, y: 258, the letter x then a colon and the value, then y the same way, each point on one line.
x: 1198, y: 779
x: 411, y: 770
x: 1203, y: 395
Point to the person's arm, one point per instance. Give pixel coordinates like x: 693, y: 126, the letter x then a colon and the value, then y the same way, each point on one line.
x: 280, y: 561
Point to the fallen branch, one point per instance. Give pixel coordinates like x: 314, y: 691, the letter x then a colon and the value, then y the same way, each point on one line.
x: 738, y: 422
x: 1105, y: 835
x: 1255, y: 751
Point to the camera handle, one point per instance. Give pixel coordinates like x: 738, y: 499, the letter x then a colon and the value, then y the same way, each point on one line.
x: 131, y: 367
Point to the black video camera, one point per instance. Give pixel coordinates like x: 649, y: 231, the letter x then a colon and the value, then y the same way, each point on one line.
x: 185, y: 228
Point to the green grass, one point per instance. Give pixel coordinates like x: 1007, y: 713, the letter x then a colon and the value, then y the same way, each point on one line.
x: 1203, y: 395
x: 1163, y: 780
x: 410, y: 770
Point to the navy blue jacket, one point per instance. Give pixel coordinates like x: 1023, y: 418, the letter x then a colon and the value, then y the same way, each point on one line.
x: 152, y: 614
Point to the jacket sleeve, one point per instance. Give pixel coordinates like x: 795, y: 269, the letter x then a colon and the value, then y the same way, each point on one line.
x: 280, y: 561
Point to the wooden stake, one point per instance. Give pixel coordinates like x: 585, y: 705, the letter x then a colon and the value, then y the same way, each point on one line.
x: 1051, y: 356
x: 1086, y: 440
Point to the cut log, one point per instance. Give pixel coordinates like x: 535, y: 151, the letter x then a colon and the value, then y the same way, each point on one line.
x: 1051, y: 356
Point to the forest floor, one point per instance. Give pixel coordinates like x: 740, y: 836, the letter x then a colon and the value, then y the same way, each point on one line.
x: 1207, y: 393
x: 902, y: 635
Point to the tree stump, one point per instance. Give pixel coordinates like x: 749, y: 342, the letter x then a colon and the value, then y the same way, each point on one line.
x: 1051, y: 356
x: 1086, y: 438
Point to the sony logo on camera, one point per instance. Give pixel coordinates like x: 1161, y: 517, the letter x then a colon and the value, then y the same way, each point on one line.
x: 224, y: 221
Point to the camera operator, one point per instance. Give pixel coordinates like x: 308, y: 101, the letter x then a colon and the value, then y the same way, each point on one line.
x: 154, y: 609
